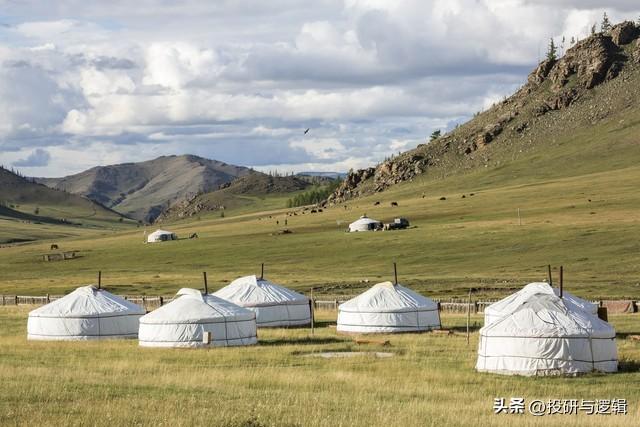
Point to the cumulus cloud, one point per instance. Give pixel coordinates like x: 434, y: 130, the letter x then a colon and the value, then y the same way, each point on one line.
x: 38, y: 158
x: 240, y: 81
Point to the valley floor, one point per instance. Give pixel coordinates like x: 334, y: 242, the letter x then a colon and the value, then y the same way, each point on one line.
x: 589, y: 223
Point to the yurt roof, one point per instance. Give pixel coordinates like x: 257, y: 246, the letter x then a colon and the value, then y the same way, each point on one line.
x: 364, y: 220
x: 160, y: 232
x: 88, y: 301
x: 547, y: 315
x: 386, y: 297
x: 191, y: 306
x: 513, y: 301
x: 253, y: 291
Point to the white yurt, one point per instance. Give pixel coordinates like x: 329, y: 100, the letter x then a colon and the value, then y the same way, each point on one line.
x: 364, y: 224
x: 273, y: 304
x: 161, y: 236
x: 388, y: 308
x: 184, y: 321
x: 507, y: 305
x: 547, y: 335
x: 88, y: 313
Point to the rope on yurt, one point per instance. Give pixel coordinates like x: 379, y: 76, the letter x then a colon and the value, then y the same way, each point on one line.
x: 224, y: 319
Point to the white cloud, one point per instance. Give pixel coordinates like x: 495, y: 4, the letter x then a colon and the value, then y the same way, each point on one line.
x: 240, y: 81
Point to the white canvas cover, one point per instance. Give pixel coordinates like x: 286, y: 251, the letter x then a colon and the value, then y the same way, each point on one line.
x: 88, y: 313
x: 364, y: 224
x: 388, y: 308
x: 161, y: 236
x: 183, y: 321
x: 274, y: 305
x: 547, y: 335
x: 507, y: 305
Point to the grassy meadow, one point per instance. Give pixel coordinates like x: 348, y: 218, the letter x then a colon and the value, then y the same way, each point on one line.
x: 430, y: 380
x: 589, y: 223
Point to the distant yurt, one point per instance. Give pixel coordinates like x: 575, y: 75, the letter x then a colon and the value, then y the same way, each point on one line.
x: 196, y: 320
x: 365, y: 224
x: 388, y: 308
x: 507, y: 305
x: 88, y: 313
x: 273, y: 304
x: 547, y: 335
x: 161, y: 236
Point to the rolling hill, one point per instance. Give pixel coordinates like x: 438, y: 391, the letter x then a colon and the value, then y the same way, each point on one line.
x: 251, y: 189
x: 29, y: 211
x: 144, y: 190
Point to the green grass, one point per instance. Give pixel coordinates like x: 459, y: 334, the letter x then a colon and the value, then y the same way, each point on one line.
x: 430, y: 381
x: 455, y: 244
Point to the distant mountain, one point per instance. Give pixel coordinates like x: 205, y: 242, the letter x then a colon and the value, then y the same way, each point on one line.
x: 144, y: 190
x: 25, y: 200
x: 240, y: 192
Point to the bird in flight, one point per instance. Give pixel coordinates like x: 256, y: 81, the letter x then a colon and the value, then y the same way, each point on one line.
x: 306, y: 131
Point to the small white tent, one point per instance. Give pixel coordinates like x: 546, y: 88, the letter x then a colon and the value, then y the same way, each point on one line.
x: 88, y: 313
x: 161, y: 236
x: 388, y: 308
x: 507, y: 305
x: 547, y: 335
x: 364, y: 224
x: 184, y: 321
x: 274, y: 305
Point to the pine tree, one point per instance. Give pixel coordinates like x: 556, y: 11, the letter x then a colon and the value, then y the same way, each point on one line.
x: 605, y: 27
x: 572, y: 41
x: 593, y: 29
x: 562, y: 46
x: 552, y: 51
x: 435, y: 135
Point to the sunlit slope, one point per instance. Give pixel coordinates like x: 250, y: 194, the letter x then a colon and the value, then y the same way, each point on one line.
x: 33, y: 211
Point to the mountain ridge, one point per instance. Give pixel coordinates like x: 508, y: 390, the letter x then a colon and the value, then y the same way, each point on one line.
x: 24, y: 201
x: 143, y: 190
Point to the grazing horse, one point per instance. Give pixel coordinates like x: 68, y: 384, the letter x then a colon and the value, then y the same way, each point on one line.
x: 394, y: 203
x: 194, y: 236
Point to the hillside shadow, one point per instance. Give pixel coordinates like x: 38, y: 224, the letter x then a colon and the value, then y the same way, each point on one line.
x: 625, y: 335
x: 628, y: 366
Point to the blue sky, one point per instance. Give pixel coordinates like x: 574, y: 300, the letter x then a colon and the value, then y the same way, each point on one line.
x: 87, y: 83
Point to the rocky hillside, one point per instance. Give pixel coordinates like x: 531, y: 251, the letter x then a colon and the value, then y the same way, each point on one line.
x: 235, y: 194
x: 144, y: 190
x: 595, y: 80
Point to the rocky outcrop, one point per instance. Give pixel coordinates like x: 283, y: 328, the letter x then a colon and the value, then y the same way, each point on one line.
x: 541, y: 72
x: 346, y: 190
x: 552, y: 86
x: 624, y: 33
x: 636, y: 51
x: 587, y: 62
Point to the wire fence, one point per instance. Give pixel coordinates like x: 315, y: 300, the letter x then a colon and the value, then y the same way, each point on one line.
x: 150, y: 303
